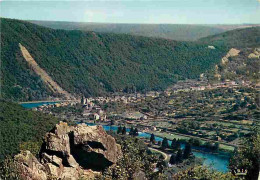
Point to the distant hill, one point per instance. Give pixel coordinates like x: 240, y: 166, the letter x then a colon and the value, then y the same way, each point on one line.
x: 239, y: 38
x: 95, y: 63
x: 180, y: 32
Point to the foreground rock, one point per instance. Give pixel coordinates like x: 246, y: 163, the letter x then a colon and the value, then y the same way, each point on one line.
x: 71, y: 153
x: 30, y: 168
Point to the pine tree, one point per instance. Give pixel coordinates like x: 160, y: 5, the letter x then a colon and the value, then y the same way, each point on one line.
x: 179, y: 156
x: 172, y: 159
x: 135, y: 133
x: 119, y: 130
x: 152, y: 138
x: 178, y: 145
x: 187, y: 151
x: 173, y: 145
x: 124, y: 130
x: 165, y: 143
x: 131, y: 131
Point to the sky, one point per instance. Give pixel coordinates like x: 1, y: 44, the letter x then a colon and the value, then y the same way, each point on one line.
x: 136, y: 11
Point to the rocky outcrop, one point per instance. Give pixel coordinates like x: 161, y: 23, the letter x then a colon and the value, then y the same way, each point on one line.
x: 100, y: 149
x: 255, y: 54
x: 71, y: 153
x: 29, y: 167
x: 231, y: 53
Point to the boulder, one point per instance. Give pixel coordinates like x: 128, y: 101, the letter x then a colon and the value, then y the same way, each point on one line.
x: 51, y: 159
x: 70, y: 174
x: 57, y: 139
x: 30, y: 168
x: 97, y: 147
x: 72, y: 162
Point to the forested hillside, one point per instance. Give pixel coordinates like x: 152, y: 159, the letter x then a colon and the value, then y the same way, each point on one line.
x: 180, y: 32
x: 239, y: 38
x: 21, y: 128
x: 95, y: 63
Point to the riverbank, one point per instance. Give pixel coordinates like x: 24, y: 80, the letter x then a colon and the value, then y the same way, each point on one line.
x: 36, y: 104
x: 222, y: 147
x: 218, y: 161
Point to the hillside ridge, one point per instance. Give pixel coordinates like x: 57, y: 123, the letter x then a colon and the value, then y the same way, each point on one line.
x: 239, y: 38
x: 96, y: 64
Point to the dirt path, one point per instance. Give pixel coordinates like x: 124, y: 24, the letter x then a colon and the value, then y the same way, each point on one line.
x: 44, y: 76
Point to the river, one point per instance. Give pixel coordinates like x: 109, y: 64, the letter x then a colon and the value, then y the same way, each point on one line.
x: 217, y: 162
x: 37, y: 104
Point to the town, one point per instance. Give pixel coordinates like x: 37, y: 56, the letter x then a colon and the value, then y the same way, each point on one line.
x: 184, y: 111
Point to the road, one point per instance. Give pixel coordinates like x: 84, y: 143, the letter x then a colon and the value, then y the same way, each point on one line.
x: 166, y: 156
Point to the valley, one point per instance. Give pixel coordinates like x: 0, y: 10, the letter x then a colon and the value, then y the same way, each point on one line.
x: 120, y: 106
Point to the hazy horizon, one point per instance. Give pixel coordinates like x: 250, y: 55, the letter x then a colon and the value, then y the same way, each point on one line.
x: 198, y: 12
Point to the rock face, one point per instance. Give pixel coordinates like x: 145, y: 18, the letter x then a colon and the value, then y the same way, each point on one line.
x: 71, y: 153
x: 255, y: 53
x: 30, y: 168
x: 231, y: 53
x: 92, y: 146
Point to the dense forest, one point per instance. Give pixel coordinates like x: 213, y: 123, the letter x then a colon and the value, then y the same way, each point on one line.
x: 21, y: 128
x: 95, y: 63
x: 180, y: 32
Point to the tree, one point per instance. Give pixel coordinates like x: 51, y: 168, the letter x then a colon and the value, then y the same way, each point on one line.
x: 216, y: 146
x: 247, y: 156
x: 135, y: 133
x: 173, y: 145
x: 179, y: 156
x: 131, y: 132
x: 165, y: 143
x: 124, y: 130
x: 201, y: 172
x: 119, y: 130
x: 187, y: 151
x: 82, y: 100
x: 152, y: 138
x: 178, y: 144
x: 172, y: 159
x: 161, y: 165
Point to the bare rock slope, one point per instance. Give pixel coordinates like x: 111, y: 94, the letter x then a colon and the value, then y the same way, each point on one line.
x: 71, y: 153
x: 44, y: 76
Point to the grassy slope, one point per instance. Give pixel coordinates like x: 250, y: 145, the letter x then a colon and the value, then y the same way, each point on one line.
x: 94, y: 63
